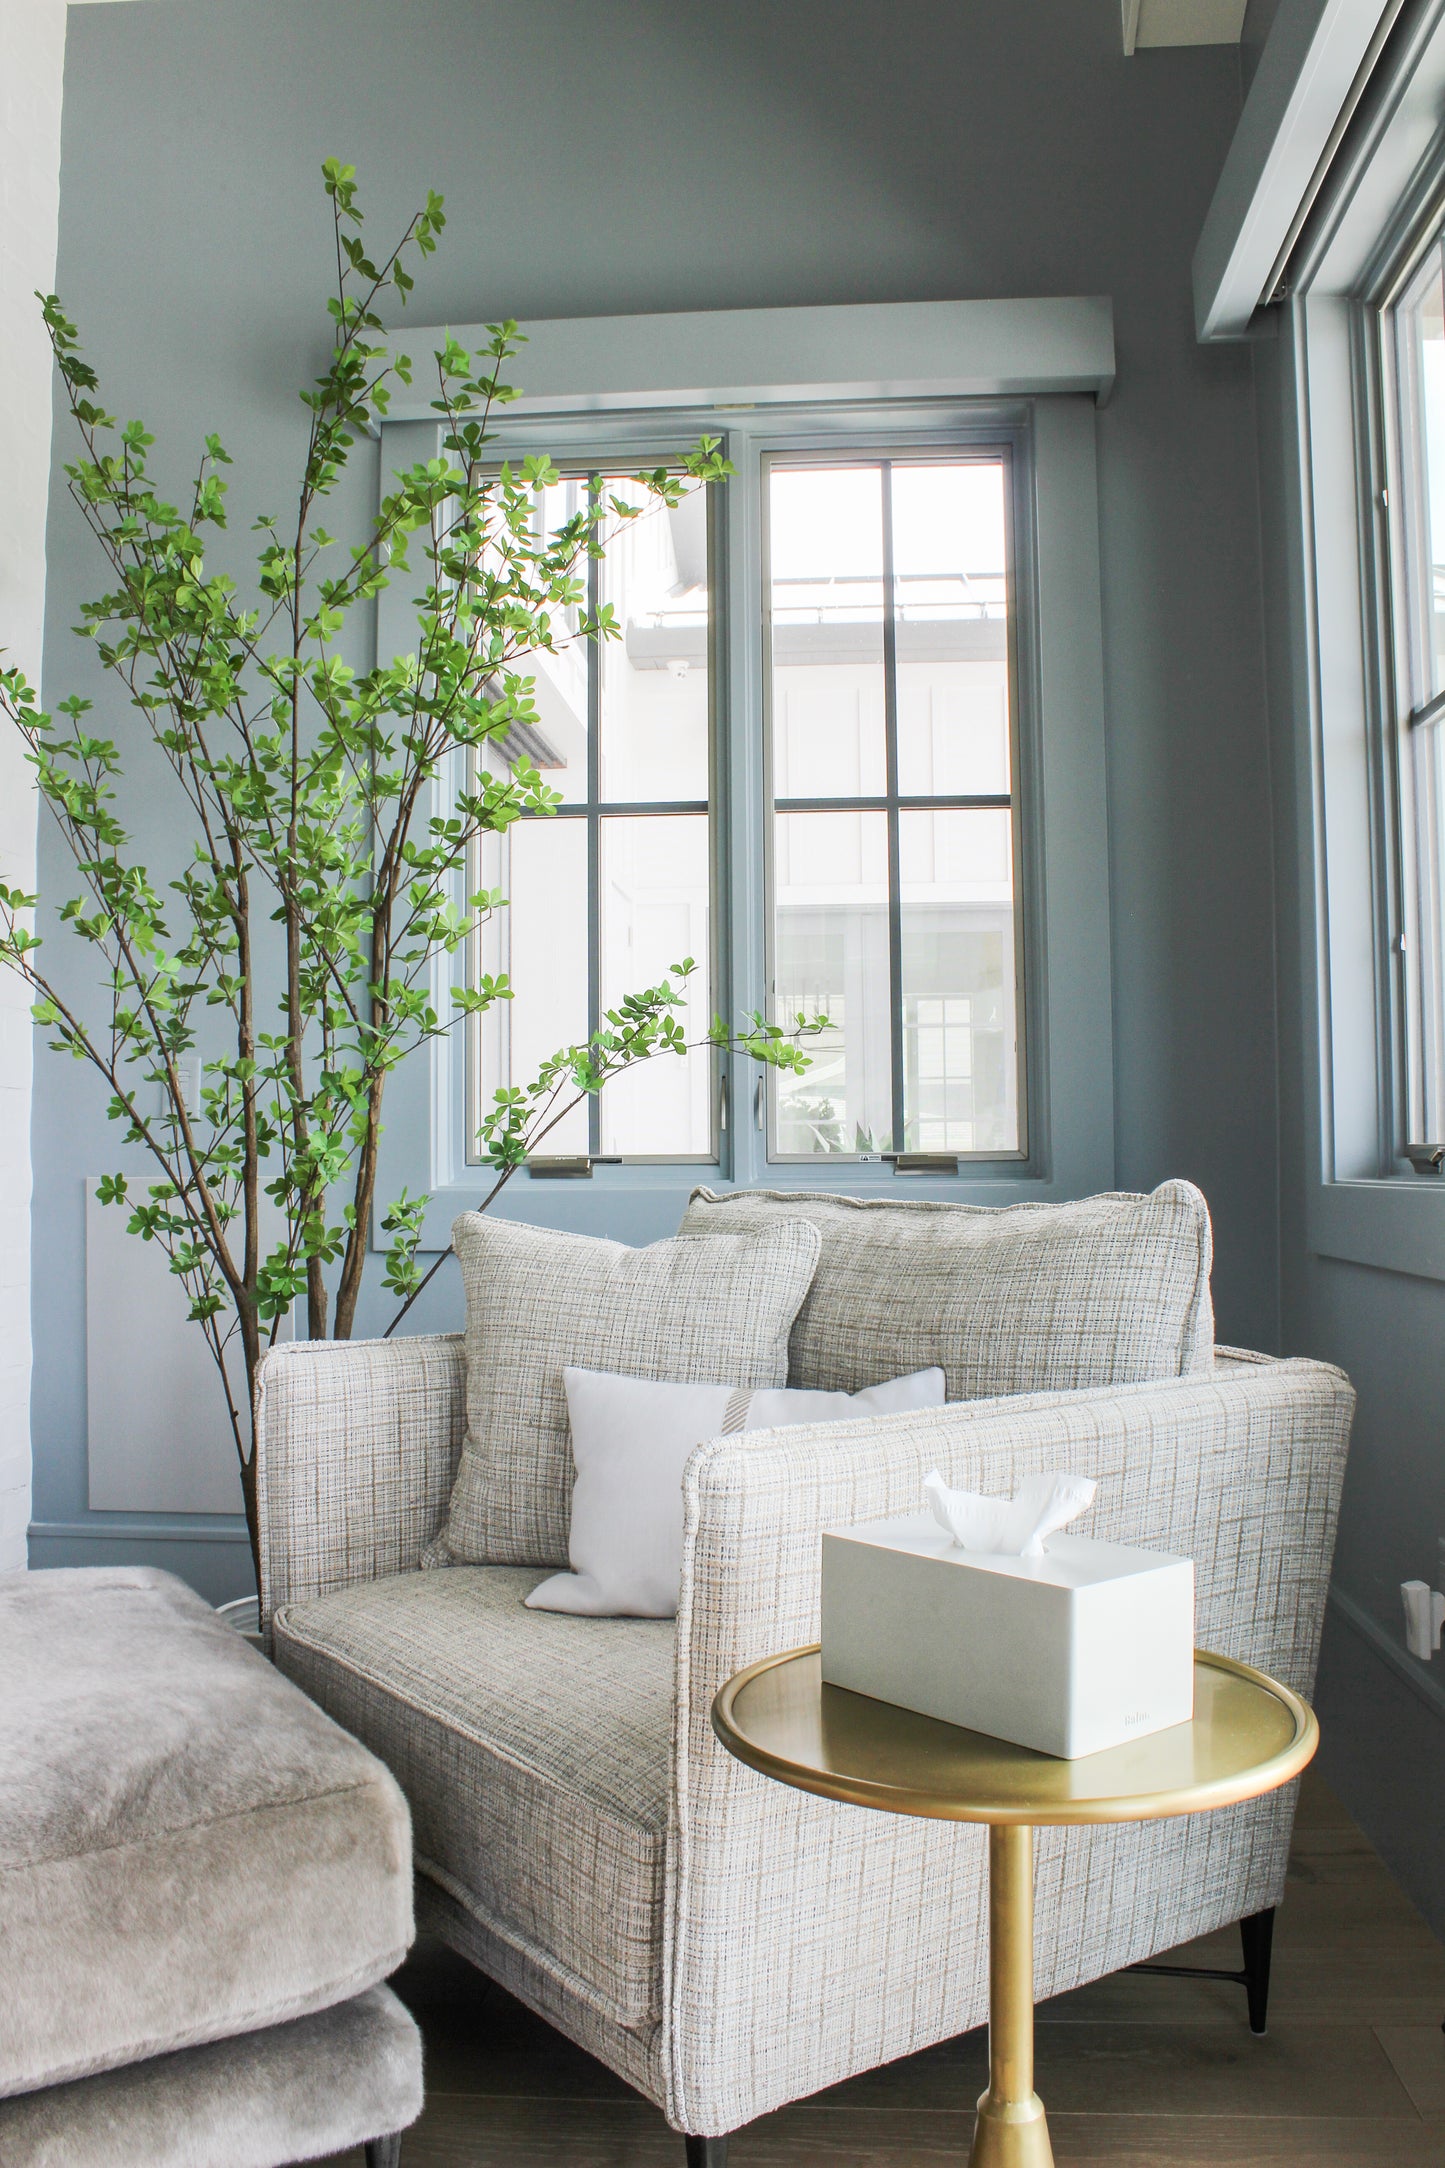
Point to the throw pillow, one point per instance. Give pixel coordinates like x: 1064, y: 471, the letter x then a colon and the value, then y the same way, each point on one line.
x: 700, y: 1305
x: 1016, y: 1298
x: 631, y: 1439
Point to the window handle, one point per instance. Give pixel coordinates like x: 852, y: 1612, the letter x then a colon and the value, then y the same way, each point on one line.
x: 569, y: 1166
x: 922, y: 1162
x: 758, y: 1105
x: 722, y: 1101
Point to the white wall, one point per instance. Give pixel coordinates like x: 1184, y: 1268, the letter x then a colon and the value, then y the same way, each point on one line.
x: 32, y: 53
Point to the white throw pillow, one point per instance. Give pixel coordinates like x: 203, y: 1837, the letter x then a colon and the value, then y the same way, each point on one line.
x: 631, y: 1438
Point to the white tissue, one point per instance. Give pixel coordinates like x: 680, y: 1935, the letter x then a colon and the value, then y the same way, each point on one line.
x: 1009, y: 1527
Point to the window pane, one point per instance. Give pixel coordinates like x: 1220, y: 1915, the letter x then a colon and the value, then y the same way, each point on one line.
x: 951, y: 609
x: 825, y: 544
x: 654, y: 691
x: 556, y: 742
x: 654, y: 912
x: 541, y: 939
x: 960, y: 1067
x: 1429, y: 323
x: 1427, y: 1020
x: 830, y: 957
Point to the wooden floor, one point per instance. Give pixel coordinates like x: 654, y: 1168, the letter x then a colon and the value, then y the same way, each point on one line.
x: 1133, y: 2070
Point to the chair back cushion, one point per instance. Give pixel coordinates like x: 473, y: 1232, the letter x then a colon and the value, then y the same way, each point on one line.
x: 1017, y: 1298
x: 714, y: 1304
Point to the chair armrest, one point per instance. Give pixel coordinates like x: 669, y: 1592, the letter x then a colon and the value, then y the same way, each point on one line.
x: 1240, y: 1470
x: 357, y: 1442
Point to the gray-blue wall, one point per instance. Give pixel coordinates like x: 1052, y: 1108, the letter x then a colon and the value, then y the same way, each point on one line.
x: 601, y: 156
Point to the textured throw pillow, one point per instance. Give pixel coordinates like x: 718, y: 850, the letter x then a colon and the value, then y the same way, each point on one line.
x: 1011, y: 1299
x: 631, y: 1439
x: 705, y: 1304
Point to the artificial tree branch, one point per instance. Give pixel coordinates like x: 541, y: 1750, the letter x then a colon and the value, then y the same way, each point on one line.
x: 305, y: 785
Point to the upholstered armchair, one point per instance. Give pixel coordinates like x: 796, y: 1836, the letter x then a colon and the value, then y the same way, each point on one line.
x: 723, y: 1943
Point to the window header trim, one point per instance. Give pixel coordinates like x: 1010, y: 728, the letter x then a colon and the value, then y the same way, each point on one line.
x: 752, y: 358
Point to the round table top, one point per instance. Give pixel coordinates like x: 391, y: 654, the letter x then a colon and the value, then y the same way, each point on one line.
x: 1248, y: 1735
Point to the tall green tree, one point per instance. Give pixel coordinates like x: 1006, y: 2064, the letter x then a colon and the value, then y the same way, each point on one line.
x: 292, y: 955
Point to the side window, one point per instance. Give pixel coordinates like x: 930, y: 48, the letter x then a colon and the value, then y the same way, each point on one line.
x: 1415, y: 353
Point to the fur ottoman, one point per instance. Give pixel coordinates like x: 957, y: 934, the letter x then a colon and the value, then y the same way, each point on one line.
x: 190, y: 1852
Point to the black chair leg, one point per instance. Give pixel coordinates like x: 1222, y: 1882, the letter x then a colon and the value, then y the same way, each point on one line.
x: 707, y: 2153
x: 1256, y: 1934
x: 384, y: 2152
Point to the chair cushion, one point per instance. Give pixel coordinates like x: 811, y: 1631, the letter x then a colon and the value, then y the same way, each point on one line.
x: 188, y: 1848
x: 715, y: 1308
x: 535, y: 1750
x: 318, y: 2085
x: 1017, y: 1298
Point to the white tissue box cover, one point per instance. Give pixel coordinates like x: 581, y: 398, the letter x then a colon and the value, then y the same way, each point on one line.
x: 1082, y: 1649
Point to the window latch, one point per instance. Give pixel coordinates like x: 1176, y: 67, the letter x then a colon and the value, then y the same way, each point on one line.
x: 562, y: 1166
x: 1425, y: 1158
x: 923, y: 1162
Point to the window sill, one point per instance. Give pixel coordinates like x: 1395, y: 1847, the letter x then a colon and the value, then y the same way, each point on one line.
x: 643, y: 1203
x: 1396, y: 1224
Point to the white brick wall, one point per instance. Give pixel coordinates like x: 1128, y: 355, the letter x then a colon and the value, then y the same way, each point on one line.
x: 32, y: 53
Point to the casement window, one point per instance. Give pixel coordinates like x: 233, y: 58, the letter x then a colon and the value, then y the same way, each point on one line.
x: 1361, y: 353
x: 847, y: 754
x: 1412, y: 336
x: 883, y: 596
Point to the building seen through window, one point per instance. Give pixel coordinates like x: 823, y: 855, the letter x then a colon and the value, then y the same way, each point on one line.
x: 892, y: 850
x: 616, y: 886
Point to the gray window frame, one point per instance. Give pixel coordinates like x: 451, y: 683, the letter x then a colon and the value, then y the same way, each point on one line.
x: 576, y: 465
x: 1067, y: 989
x: 1340, y: 674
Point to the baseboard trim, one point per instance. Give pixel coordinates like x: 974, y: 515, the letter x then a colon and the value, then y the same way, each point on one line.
x: 134, y: 1531
x: 1395, y: 1658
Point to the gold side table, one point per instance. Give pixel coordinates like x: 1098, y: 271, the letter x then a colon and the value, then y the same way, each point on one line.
x: 1249, y: 1734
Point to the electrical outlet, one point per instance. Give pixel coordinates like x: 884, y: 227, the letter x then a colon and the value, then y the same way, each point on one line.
x: 188, y: 1070
x: 1424, y: 1618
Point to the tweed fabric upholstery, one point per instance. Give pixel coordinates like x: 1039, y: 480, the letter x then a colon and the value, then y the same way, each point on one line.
x: 357, y: 1443
x: 534, y: 1750
x: 802, y: 1940
x: 1008, y: 1299
x: 691, y: 1308
x: 635, y: 2052
x: 807, y: 1940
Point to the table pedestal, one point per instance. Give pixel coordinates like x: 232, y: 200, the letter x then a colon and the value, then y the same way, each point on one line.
x: 1011, y: 2131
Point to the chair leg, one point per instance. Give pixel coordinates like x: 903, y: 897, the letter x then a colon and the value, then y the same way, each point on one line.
x: 707, y: 2153
x: 384, y: 2152
x: 1256, y: 1934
